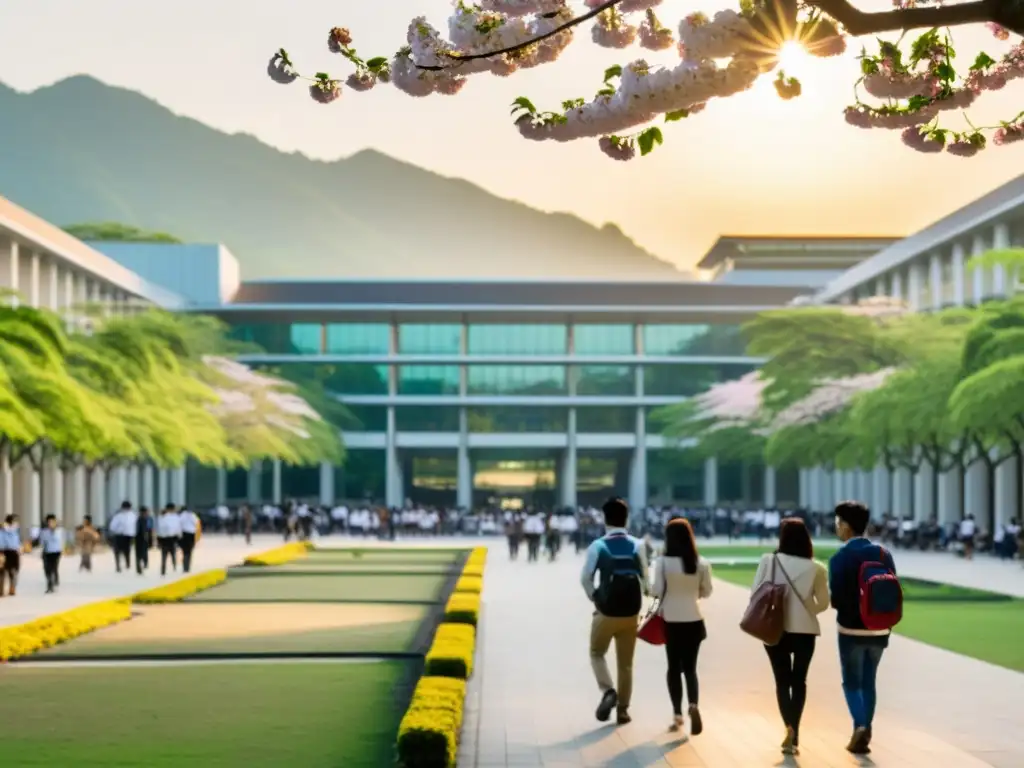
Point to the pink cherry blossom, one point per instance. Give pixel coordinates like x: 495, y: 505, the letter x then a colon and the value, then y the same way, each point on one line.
x: 325, y: 91
x: 617, y: 150
x: 1009, y: 134
x: 831, y: 396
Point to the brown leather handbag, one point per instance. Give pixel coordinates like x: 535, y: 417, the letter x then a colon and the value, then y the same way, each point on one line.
x: 765, y: 614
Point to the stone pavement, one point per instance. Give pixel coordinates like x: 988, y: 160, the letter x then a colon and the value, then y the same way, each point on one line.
x: 533, y: 696
x: 104, y: 583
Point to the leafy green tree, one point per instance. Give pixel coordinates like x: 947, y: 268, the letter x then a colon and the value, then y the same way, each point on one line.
x: 113, y: 232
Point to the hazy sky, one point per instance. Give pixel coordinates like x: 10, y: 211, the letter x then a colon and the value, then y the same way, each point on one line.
x: 749, y: 165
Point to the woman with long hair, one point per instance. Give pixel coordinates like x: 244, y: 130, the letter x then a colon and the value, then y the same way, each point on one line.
x: 807, y: 596
x: 681, y: 579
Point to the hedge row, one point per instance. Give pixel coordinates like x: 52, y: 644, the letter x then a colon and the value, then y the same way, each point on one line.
x: 177, y: 591
x: 280, y: 555
x: 26, y: 639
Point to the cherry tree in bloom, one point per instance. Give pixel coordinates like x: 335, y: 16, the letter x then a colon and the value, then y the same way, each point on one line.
x: 732, y: 403
x: 915, y: 85
x: 830, y: 397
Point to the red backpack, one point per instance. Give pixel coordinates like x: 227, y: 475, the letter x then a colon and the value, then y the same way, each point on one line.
x: 881, y: 595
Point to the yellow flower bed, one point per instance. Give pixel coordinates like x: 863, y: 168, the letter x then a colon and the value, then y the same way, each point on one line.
x: 463, y: 608
x: 466, y: 583
x: 478, y: 557
x: 26, y: 639
x: 280, y: 555
x: 451, y: 653
x: 179, y: 590
x: 428, y: 736
x: 473, y: 570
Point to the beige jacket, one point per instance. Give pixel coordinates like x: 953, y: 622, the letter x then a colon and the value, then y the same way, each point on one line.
x: 681, y: 591
x: 810, y: 580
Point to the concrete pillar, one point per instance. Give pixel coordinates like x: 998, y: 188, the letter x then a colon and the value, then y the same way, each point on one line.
x: 924, y: 492
x: 254, y: 483
x: 32, y: 288
x: 935, y: 280
x: 711, y: 482
x: 959, y: 293
x: 978, y: 247
x: 770, y: 492
x: 976, y: 496
x: 915, y: 278
x: 132, y: 485
x: 838, y: 486
x: 804, y: 489
x: 464, y: 467
x: 101, y: 506
x: 898, y: 289
x: 275, y: 493
x: 326, y: 484
x: 951, y: 496
x: 1006, y: 492
x: 881, y: 496
x: 49, y: 284
x: 903, y: 493
x: 1000, y: 241
x: 117, y: 487
x: 26, y: 496
x: 638, y: 464
x: 163, y: 488
x: 74, y: 497
x: 179, y: 490
x: 865, y: 482
x: 147, y: 491
x: 10, y: 275
x: 6, y: 487
x: 222, y: 485
x: 52, y: 490
x: 393, y: 486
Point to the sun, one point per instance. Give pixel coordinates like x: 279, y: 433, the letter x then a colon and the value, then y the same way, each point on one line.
x: 794, y: 59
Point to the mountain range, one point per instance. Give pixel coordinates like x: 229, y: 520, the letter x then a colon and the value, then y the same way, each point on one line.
x: 82, y: 151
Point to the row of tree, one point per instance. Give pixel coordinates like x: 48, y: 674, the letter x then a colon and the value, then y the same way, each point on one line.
x: 852, y: 387
x: 151, y: 388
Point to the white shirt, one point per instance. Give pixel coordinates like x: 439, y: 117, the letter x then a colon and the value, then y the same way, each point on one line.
x: 188, y: 521
x: 967, y: 528
x: 534, y: 525
x: 52, y: 542
x: 681, y: 590
x: 168, y: 526
x: 340, y: 513
x: 124, y: 522
x: 810, y: 582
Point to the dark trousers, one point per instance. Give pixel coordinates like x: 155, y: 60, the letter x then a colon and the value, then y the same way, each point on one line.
x: 123, y: 549
x: 188, y: 543
x: 513, y: 547
x: 858, y: 662
x: 532, y: 546
x: 248, y: 534
x: 682, y: 646
x: 168, y: 549
x: 12, y: 564
x: 141, y: 556
x: 51, y: 566
x: 791, y: 660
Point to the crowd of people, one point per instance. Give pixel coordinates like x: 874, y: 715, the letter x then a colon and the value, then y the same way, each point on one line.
x: 790, y: 590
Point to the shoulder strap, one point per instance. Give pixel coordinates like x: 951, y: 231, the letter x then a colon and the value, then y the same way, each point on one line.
x: 793, y: 589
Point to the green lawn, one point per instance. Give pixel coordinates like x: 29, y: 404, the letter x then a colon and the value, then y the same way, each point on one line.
x: 406, y: 555
x: 213, y: 716
x: 357, y: 629
x: 975, y: 623
x: 333, y: 587
x: 754, y: 551
x: 352, y: 567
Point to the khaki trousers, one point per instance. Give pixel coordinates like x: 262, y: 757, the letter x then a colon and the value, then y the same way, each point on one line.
x: 621, y: 630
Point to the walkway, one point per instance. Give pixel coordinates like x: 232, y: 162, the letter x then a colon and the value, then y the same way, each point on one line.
x: 104, y: 583
x: 533, y: 699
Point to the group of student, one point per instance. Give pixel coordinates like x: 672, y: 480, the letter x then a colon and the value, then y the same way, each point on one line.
x: 860, y: 583
x: 175, y: 529
x: 538, y: 530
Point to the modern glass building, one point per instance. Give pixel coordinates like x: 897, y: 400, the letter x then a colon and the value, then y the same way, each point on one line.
x: 509, y: 392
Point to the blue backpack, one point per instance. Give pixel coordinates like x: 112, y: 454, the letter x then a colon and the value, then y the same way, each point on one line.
x: 620, y: 592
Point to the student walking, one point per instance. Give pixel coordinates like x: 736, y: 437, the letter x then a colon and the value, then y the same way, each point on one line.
x: 246, y: 520
x: 514, y: 535
x: 793, y: 566
x: 143, y: 540
x: 533, y: 528
x: 618, y: 562
x: 682, y: 578
x: 10, y: 543
x: 168, y: 534
x: 868, y: 599
x: 51, y: 540
x: 122, y: 530
x: 189, y: 527
x: 86, y: 539
x: 967, y: 531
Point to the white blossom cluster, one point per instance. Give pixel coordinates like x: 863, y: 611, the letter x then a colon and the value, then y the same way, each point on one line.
x: 732, y: 403
x: 246, y: 395
x: 523, y: 7
x: 877, y: 306
x: 830, y: 397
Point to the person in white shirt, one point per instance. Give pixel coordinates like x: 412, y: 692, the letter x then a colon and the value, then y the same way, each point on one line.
x: 339, y: 519
x: 10, y: 548
x: 793, y: 566
x: 968, y: 529
x: 51, y: 540
x: 681, y: 579
x: 533, y: 530
x: 168, y: 534
x: 122, y: 529
x: 189, y: 527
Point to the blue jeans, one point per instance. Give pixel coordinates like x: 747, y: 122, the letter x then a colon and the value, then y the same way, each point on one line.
x: 858, y: 661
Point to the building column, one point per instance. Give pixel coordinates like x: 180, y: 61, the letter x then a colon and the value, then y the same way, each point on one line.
x: 117, y: 487
x: 770, y: 492
x: 903, y: 493
x: 132, y: 481
x: 393, y: 489
x: 254, y: 483
x: 97, y: 489
x: 163, y: 490
x: 33, y: 280
x: 326, y: 484
x: 1006, y: 493
x: 950, y: 496
x: 179, y: 491
x: 915, y: 280
x: 924, y: 492
x: 978, y: 247
x: 26, y: 496
x: 881, y: 501
x: 1000, y: 241
x: 865, y: 486
x: 959, y: 294
x: 935, y: 278
x: 148, y: 491
x: 74, y: 497
x: 976, y: 497
x: 463, y: 465
x: 52, y: 490
x: 275, y: 492
x: 222, y: 485
x: 898, y: 289
x: 568, y: 473
x: 803, y: 489
x: 6, y: 487
x: 711, y: 482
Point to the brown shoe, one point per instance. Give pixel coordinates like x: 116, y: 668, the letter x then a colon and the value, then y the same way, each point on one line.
x: 859, y: 742
x: 623, y: 718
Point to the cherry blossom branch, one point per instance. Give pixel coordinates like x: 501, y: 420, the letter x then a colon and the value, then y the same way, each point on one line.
x: 859, y: 23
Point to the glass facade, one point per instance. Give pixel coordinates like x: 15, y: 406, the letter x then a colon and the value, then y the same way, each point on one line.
x: 428, y: 380
x: 687, y: 380
x: 605, y: 419
x: 367, y: 418
x: 517, y: 419
x: 358, y: 339
x: 517, y: 380
x: 353, y: 378
x: 426, y: 418
x: 693, y: 340
x: 603, y: 340
x: 604, y: 380
x: 534, y: 339
x: 427, y: 339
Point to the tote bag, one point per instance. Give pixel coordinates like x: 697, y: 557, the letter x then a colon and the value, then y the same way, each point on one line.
x: 765, y: 615
x: 652, y: 628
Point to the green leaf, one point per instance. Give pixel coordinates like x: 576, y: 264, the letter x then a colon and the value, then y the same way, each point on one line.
x: 679, y: 114
x: 376, y: 62
x: 523, y: 104
x: 984, y: 61
x: 648, y: 140
x: 614, y: 71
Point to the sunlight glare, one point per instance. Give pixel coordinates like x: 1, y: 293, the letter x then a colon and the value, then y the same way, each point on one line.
x: 794, y: 59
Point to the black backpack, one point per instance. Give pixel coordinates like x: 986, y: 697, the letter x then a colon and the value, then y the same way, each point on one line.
x: 620, y: 592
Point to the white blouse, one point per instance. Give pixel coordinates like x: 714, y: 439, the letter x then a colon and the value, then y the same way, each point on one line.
x: 680, y: 591
x: 810, y: 581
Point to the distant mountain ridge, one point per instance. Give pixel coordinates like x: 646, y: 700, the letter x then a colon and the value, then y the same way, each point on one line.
x: 82, y: 151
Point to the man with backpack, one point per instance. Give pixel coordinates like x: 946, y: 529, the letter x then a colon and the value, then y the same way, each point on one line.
x: 868, y: 599
x: 617, y: 560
